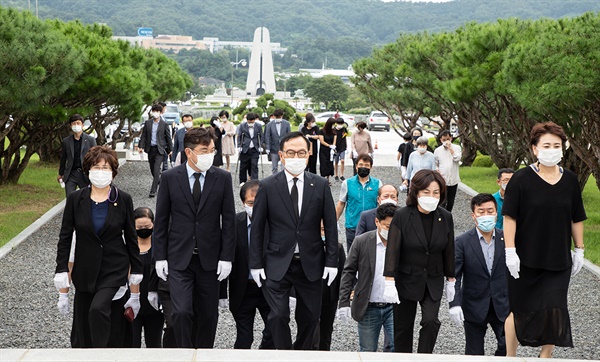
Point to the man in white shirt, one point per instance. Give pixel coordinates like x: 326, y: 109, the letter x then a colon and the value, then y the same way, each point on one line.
x: 447, y: 160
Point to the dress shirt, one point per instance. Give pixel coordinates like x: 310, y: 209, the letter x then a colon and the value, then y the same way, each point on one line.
x: 154, y: 131
x: 300, y: 186
x: 251, y: 131
x: 278, y: 127
x: 487, y: 249
x: 192, y: 179
x: 447, y: 163
x: 378, y: 289
x: 249, y: 223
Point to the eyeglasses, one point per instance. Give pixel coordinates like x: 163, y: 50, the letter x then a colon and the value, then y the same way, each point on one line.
x: 292, y: 153
x: 203, y: 153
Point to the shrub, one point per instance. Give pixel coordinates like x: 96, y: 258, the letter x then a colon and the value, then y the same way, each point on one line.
x: 483, y: 161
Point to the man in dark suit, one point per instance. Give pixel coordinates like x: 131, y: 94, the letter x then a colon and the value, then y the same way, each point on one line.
x: 293, y: 203
x: 194, y: 238
x: 245, y: 297
x: 74, y: 149
x: 374, y: 296
x: 274, y: 132
x: 481, y: 290
x: 188, y: 123
x: 155, y: 140
x: 387, y: 194
x: 249, y: 138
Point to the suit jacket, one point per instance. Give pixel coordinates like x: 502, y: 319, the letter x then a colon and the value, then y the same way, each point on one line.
x: 475, y: 286
x: 273, y: 205
x: 101, y: 260
x: 243, y: 137
x: 272, y: 138
x: 68, y: 153
x: 178, y: 144
x: 331, y: 293
x: 163, y: 137
x: 412, y: 261
x: 361, y: 261
x: 366, y: 221
x: 179, y: 227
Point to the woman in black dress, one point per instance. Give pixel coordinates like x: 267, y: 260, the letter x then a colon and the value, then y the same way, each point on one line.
x: 327, y: 139
x: 543, y: 213
x: 311, y: 131
x: 219, y: 132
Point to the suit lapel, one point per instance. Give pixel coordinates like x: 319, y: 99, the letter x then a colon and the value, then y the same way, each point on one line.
x: 112, y: 210
x: 243, y: 225
x: 309, y: 188
x: 498, y: 250
x: 184, y: 183
x: 437, y: 225
x: 372, y: 252
x: 72, y: 147
x: 284, y: 192
x: 474, y: 242
x: 209, y: 182
x: 418, y: 227
x: 85, y: 207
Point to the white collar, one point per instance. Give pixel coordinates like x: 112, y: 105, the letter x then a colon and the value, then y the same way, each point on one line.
x: 191, y: 171
x: 289, y: 177
x: 379, y: 241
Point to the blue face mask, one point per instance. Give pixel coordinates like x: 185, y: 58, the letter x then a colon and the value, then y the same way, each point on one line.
x: 486, y: 223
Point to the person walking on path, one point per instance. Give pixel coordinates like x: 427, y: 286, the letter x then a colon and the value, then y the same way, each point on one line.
x: 504, y: 176
x: 74, y: 149
x: 274, y: 132
x: 155, y: 140
x: 228, y: 141
x: 360, y: 143
x: 327, y: 139
x: 447, y: 159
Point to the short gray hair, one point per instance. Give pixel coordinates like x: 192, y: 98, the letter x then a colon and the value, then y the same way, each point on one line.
x: 422, y: 141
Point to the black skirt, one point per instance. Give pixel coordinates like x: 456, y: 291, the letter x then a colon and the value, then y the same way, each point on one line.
x: 538, y: 301
x: 325, y: 163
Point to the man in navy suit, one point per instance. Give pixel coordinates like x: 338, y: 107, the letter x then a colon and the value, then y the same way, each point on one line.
x: 293, y: 203
x: 274, y: 132
x: 155, y: 140
x: 74, y: 149
x: 249, y: 138
x: 387, y: 194
x: 194, y: 239
x: 481, y: 290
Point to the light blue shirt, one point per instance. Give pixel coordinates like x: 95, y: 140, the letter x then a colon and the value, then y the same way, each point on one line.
x: 192, y: 179
x: 417, y: 162
x: 154, y: 131
x: 487, y: 249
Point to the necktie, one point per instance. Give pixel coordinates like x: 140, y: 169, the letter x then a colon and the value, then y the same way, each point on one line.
x: 294, y: 195
x: 196, y: 192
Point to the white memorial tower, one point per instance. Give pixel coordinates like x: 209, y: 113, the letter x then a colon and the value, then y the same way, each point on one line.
x: 261, y: 76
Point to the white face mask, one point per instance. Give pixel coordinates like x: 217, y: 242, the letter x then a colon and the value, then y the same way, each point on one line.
x: 388, y: 201
x: 422, y: 150
x: 100, y: 178
x: 295, y: 166
x: 155, y: 115
x: 204, y: 161
x: 188, y: 124
x: 248, y: 210
x: 383, y: 233
x: 503, y: 186
x: 77, y: 129
x: 549, y: 157
x: 428, y: 203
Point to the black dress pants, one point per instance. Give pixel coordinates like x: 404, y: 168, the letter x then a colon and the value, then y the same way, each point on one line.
x: 475, y: 334
x: 312, y: 162
x: 322, y: 341
x: 404, y: 320
x: 92, y: 318
x: 164, y: 297
x: 448, y: 204
x: 152, y: 324
x: 249, y: 165
x: 244, y: 319
x: 308, y: 307
x: 76, y: 179
x: 155, y: 161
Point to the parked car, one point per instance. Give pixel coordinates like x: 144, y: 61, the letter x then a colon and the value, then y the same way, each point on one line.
x: 323, y: 117
x: 172, y: 114
x: 378, y: 120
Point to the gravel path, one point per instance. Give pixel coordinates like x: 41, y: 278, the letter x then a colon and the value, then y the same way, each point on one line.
x: 29, y: 319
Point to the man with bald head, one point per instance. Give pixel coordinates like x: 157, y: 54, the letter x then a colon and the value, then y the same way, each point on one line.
x: 387, y: 194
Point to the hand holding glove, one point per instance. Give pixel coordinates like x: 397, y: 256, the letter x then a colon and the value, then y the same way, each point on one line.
x: 223, y: 270
x: 329, y: 274
x: 153, y: 299
x: 333, y: 147
x: 239, y: 150
x: 354, y: 154
x: 513, y: 263
x: 257, y: 274
x: 260, y: 150
x: 162, y: 269
x: 134, y: 303
x: 390, y: 293
x: 457, y: 316
x: 577, y: 256
x: 135, y: 279
x: 217, y: 124
x: 344, y: 314
x: 61, y: 280
x: 63, y: 303
x: 450, y: 291
x: 223, y: 303
x: 292, y: 304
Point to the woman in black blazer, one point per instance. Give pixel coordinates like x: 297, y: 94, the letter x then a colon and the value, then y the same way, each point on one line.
x: 419, y: 253
x: 102, y: 218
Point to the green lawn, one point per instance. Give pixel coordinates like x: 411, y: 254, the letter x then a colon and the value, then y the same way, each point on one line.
x: 22, y: 204
x: 483, y: 179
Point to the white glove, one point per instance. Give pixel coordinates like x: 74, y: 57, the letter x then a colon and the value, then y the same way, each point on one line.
x: 577, y: 256
x: 224, y: 303
x: 268, y: 151
x: 134, y: 303
x: 135, y: 279
x: 354, y: 154
x: 329, y: 274
x: 403, y: 172
x: 344, y: 314
x: 239, y: 150
x: 371, y: 154
x: 63, y: 303
x: 292, y: 304
x: 457, y: 316
x: 172, y: 164
x: 61, y: 280
x: 153, y: 299
x: 390, y: 293
x: 260, y: 150
x: 162, y: 269
x: 223, y: 269
x: 332, y: 147
x: 450, y: 291
x: 217, y: 123
x: 257, y: 274
x: 513, y: 263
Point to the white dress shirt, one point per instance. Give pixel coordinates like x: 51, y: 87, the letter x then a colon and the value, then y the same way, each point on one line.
x: 251, y: 131
x: 192, y: 179
x: 300, y: 186
x: 447, y: 163
x: 378, y: 288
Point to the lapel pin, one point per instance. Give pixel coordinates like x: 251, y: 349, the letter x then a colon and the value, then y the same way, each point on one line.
x: 312, y: 184
x: 440, y: 219
x: 115, y: 204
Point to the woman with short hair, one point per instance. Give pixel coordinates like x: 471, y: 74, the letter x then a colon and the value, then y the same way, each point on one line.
x: 422, y: 159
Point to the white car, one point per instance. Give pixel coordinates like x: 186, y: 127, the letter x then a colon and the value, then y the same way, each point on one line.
x: 323, y: 117
x: 378, y: 120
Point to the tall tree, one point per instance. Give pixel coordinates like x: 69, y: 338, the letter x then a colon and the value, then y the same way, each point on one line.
x: 328, y: 90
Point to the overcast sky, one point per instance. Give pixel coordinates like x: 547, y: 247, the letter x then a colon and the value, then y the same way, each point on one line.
x: 420, y: 1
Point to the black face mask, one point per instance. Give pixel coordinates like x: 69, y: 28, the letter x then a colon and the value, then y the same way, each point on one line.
x: 144, y: 233
x: 415, y: 138
x: 363, y: 171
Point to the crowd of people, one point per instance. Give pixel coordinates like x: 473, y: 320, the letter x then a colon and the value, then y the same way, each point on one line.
x: 167, y: 272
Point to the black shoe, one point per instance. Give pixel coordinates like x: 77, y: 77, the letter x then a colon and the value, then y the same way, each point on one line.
x: 342, y: 178
x: 152, y: 194
x: 337, y: 178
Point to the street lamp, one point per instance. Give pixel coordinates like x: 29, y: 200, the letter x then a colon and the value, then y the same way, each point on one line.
x: 243, y: 63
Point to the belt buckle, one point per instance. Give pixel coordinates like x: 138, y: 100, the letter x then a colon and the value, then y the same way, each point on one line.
x: 296, y: 256
x: 195, y: 251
